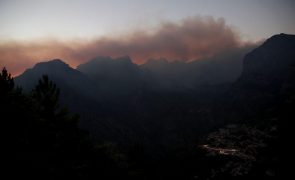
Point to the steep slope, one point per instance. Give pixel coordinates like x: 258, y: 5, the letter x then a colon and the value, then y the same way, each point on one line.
x: 267, y: 73
x: 261, y: 106
x: 268, y: 63
x: 267, y: 67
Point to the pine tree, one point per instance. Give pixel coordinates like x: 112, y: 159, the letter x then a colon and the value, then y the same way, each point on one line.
x: 6, y: 81
x: 46, y: 94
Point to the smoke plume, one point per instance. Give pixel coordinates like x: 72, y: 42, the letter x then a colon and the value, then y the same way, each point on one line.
x: 190, y: 39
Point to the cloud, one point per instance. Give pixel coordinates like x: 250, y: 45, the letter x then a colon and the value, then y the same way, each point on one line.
x: 190, y: 39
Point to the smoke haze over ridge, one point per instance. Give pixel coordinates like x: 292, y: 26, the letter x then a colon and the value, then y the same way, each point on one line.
x: 192, y: 38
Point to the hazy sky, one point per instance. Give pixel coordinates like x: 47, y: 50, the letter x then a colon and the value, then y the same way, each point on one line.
x: 78, y: 30
x: 26, y: 19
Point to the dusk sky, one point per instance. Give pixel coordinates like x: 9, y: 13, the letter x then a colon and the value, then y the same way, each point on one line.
x: 77, y: 30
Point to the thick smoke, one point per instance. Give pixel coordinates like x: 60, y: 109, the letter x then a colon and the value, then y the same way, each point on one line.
x: 192, y: 38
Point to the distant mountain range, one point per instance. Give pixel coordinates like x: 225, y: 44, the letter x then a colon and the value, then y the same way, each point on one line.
x: 109, y: 74
x: 116, y: 98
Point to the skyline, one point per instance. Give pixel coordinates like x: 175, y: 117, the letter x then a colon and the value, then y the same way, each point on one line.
x: 34, y: 30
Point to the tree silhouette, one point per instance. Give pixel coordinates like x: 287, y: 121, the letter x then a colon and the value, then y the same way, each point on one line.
x: 43, y: 140
x: 46, y: 95
x: 6, y: 81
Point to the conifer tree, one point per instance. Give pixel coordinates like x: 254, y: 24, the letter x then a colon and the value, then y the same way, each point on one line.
x: 46, y: 94
x: 6, y: 81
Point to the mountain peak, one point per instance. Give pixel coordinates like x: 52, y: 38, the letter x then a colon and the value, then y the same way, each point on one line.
x: 287, y: 40
x: 269, y: 61
x: 102, y: 63
x: 156, y: 61
x: 98, y: 59
x: 125, y: 58
x: 282, y: 35
x: 153, y: 63
x: 57, y: 70
x: 51, y: 67
x: 55, y: 63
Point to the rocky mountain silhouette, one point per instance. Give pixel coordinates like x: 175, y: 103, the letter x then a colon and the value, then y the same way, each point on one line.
x: 268, y: 72
x: 269, y: 63
x: 119, y: 99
